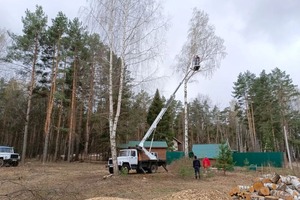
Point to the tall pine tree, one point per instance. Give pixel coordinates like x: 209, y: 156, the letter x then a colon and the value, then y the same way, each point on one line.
x: 163, y: 130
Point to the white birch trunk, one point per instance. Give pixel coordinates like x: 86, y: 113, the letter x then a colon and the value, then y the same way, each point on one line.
x: 186, y: 128
x: 112, y: 130
x: 125, y: 25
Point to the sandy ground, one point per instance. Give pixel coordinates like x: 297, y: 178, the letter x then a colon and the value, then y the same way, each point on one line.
x: 85, y: 181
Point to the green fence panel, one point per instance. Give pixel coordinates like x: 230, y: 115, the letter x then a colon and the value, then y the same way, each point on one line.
x: 174, y: 155
x: 274, y: 159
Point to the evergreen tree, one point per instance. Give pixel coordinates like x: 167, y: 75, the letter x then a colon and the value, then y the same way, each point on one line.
x: 55, y: 51
x: 225, y: 159
x: 265, y: 102
x: 27, y: 50
x: 244, y: 94
x: 162, y: 131
x: 138, y: 114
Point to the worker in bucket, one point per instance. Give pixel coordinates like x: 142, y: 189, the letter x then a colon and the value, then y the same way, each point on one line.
x: 196, y: 166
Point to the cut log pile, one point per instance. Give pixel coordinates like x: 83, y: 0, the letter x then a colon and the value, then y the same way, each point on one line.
x: 269, y: 187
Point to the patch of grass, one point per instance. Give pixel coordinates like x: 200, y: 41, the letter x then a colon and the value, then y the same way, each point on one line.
x: 209, y: 173
x: 183, y: 168
x: 123, y: 172
x: 185, y: 172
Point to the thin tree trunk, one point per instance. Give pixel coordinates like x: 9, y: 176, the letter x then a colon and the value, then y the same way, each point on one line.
x: 79, y: 132
x: 57, y: 144
x: 89, y: 111
x: 72, y: 113
x: 32, y: 83
x: 60, y: 120
x: 50, y: 104
x: 253, y: 127
x: 250, y: 124
x: 186, y: 131
x: 111, y: 114
x: 217, y: 131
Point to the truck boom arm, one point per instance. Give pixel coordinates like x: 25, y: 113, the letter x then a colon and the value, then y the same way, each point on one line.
x: 194, y: 67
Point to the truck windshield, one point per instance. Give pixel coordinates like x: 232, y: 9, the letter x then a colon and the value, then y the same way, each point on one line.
x: 6, y: 150
x: 123, y: 153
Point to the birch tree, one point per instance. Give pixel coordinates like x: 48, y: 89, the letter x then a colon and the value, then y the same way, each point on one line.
x: 130, y: 29
x: 203, y: 42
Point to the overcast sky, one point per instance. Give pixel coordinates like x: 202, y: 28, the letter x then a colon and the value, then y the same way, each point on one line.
x: 258, y: 34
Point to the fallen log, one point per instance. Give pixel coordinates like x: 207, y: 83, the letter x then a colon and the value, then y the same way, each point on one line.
x: 287, y: 179
x: 251, y: 189
x: 240, y: 189
x: 243, y: 187
x: 266, y: 180
x: 295, y: 182
x: 292, y: 192
x: 247, y: 196
x: 281, y: 186
x: 256, y: 197
x: 275, y: 178
x: 257, y: 186
x: 107, y: 176
x: 264, y: 191
x: 271, y: 198
x: 271, y: 186
x: 281, y: 194
x: 234, y: 191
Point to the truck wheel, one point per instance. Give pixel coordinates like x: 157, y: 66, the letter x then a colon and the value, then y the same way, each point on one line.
x: 153, y: 168
x: 1, y: 162
x: 125, y: 169
x: 111, y: 170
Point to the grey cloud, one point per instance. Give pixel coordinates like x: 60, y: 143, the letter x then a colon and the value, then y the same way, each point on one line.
x: 276, y: 20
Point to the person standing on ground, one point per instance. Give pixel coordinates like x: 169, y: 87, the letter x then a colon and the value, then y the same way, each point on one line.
x: 196, y: 166
x: 205, y: 163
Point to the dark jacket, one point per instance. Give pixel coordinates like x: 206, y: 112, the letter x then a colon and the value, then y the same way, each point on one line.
x: 196, y: 163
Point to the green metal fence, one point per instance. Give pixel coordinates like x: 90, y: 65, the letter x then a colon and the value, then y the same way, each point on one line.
x: 274, y: 159
x: 174, y: 155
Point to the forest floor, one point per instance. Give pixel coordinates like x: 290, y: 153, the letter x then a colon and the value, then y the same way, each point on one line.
x: 82, y: 180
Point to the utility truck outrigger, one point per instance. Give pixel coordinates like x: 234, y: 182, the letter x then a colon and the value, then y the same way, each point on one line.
x: 139, y: 158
